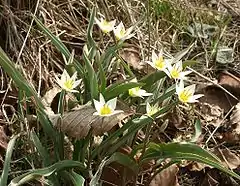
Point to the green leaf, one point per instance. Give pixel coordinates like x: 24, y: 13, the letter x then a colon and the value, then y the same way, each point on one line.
x: 108, y: 55
x: 111, y: 144
x: 45, y: 172
x: 6, y: 166
x: 182, y: 53
x: 92, y: 78
x: 185, y: 151
x: 77, y: 179
x: 101, y: 74
x: 118, y: 88
x: 169, y: 92
x: 90, y: 41
x: 41, y: 150
x: 198, y: 131
x: 125, y: 160
x: 150, y: 79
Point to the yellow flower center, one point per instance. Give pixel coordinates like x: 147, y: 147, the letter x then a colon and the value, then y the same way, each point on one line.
x: 105, y: 26
x: 152, y: 111
x: 105, y: 110
x: 134, y: 91
x: 184, y: 96
x: 69, y: 84
x: 105, y: 23
x: 175, y: 73
x: 159, y: 63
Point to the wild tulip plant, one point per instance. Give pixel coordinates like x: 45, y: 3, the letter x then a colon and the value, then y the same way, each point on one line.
x: 92, y: 71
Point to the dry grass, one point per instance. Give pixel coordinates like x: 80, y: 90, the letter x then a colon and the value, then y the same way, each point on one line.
x: 160, y: 24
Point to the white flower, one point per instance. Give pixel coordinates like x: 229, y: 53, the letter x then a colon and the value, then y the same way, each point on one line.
x: 186, y: 95
x: 104, y: 25
x: 158, y: 62
x: 105, y: 109
x: 122, y: 34
x: 176, y: 71
x: 151, y: 110
x: 68, y: 83
x: 137, y: 91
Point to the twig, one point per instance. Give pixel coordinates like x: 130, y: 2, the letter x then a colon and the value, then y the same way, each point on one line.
x: 219, y: 86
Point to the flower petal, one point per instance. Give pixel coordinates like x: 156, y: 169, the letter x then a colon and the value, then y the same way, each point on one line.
x: 191, y: 88
x: 98, y: 105
x: 148, y: 107
x: 101, y: 99
x: 179, y: 87
x: 154, y: 56
x: 195, y: 97
x: 112, y: 103
x: 74, y: 76
x: 76, y: 83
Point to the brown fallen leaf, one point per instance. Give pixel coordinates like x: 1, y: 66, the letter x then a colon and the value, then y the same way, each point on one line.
x: 167, y: 177
x: 78, y: 122
x: 230, y: 81
x: 196, y: 166
x: 235, y: 119
x: 217, y: 97
x: 211, y: 178
x: 212, y: 114
x: 131, y: 56
x: 228, y: 158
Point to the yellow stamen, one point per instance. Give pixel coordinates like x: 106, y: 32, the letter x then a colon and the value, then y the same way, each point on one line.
x: 184, y: 96
x: 69, y: 84
x: 175, y: 73
x: 133, y: 91
x: 159, y: 63
x: 105, y: 110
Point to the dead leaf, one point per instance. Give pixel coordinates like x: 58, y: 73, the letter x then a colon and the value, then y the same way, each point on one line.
x: 213, y: 114
x: 235, y: 118
x: 131, y: 56
x: 78, y: 122
x: 228, y: 158
x: 210, y: 178
x: 196, y: 166
x: 217, y: 97
x: 167, y: 177
x: 226, y: 78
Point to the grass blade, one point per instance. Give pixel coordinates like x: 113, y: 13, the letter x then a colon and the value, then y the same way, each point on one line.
x: 6, y: 166
x: 45, y: 172
x: 185, y: 151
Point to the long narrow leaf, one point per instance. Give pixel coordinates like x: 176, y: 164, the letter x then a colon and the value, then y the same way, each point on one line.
x: 41, y: 150
x: 92, y: 78
x: 185, y: 151
x: 131, y: 126
x: 45, y: 172
x: 77, y: 179
x: 6, y: 166
x: 124, y: 160
x: 119, y: 88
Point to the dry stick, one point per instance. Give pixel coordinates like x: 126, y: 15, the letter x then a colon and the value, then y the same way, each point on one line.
x: 218, y: 125
x: 225, y: 90
x: 21, y: 50
x: 138, y: 30
x: 219, y: 86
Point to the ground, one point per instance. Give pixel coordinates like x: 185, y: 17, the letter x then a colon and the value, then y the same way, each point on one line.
x: 171, y: 25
